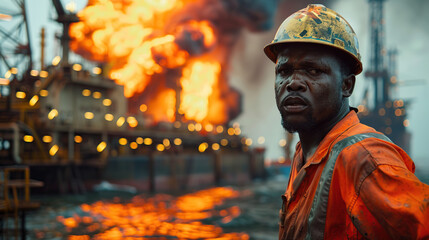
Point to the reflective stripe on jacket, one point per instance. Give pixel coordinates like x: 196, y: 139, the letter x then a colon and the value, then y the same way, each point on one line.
x: 358, y: 185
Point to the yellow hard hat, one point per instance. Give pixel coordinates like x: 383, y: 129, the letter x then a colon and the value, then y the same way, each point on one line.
x: 320, y: 25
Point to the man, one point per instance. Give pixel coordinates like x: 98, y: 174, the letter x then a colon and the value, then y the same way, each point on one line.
x: 347, y: 180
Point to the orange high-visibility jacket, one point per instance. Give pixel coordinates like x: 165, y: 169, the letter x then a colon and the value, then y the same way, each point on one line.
x: 357, y: 185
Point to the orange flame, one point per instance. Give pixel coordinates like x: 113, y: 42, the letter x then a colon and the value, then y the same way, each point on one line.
x: 197, y: 83
x: 167, y: 99
x: 141, y: 43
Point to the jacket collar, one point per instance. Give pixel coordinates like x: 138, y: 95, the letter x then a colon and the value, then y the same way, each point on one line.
x: 331, y: 138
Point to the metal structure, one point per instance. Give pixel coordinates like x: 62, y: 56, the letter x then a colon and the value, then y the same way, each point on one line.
x: 68, y: 119
x: 15, y: 46
x: 385, y: 113
x: 377, y: 71
x: 65, y: 18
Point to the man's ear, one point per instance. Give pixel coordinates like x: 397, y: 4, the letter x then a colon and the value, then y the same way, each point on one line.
x: 348, y: 85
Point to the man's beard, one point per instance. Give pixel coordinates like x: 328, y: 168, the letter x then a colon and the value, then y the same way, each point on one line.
x: 302, y: 126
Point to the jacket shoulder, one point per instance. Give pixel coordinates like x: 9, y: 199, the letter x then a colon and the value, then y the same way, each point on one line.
x: 359, y: 160
x: 375, y: 150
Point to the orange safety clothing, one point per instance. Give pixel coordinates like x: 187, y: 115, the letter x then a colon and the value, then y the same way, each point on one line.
x: 357, y: 185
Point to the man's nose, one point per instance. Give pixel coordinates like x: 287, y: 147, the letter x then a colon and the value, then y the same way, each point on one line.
x: 296, y: 83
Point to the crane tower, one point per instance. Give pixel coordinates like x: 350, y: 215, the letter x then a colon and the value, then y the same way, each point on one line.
x: 386, y: 113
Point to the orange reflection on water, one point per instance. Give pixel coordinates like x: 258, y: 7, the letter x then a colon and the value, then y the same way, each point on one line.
x: 78, y: 237
x: 161, y: 216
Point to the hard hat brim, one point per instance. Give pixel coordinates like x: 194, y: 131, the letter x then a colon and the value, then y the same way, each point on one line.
x: 272, y: 55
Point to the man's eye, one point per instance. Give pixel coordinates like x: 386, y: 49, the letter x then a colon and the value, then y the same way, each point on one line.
x: 283, y: 71
x: 314, y: 71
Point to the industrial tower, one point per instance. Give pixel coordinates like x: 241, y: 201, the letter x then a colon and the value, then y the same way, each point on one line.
x: 385, y: 113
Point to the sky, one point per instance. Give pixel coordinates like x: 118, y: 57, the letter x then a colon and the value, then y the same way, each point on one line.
x: 253, y: 74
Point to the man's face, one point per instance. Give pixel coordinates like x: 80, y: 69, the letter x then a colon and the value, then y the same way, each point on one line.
x: 308, y: 87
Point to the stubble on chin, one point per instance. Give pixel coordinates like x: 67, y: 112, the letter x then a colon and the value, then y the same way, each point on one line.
x: 298, y: 127
x: 288, y: 127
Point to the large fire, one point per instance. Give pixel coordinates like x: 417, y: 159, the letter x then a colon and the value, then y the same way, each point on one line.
x: 165, y: 60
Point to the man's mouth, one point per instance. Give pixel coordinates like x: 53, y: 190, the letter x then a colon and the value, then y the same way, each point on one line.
x: 294, y: 104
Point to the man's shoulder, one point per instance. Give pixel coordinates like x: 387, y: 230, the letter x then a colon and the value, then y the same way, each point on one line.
x: 360, y: 159
x: 373, y: 149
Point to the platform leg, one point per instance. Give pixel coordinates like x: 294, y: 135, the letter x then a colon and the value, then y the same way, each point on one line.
x: 23, y: 227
